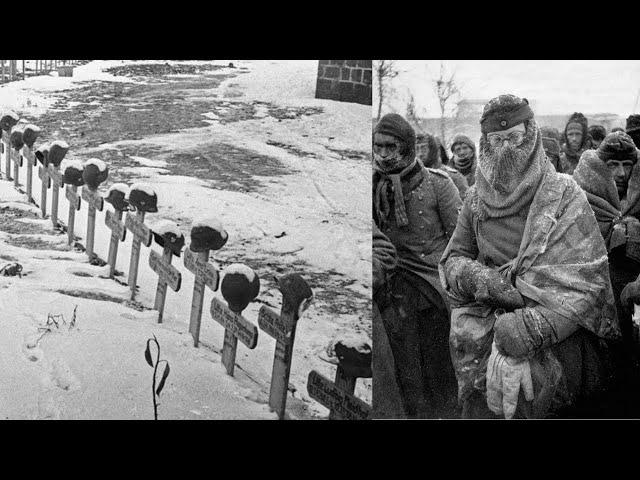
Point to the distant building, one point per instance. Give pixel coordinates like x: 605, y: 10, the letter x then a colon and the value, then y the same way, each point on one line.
x: 345, y: 80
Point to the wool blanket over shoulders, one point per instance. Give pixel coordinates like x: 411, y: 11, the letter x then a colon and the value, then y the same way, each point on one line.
x: 561, y: 266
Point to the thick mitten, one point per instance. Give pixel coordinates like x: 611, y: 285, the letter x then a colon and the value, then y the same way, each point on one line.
x: 519, y: 334
x: 484, y: 284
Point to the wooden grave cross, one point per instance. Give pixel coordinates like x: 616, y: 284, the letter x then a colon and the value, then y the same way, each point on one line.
x: 16, y: 157
x: 7, y: 122
x: 296, y: 296
x: 113, y: 220
x: 235, y: 327
x: 6, y: 150
x: 141, y: 235
x: 167, y: 274
x: 94, y: 202
x: 43, y: 173
x: 340, y: 402
x: 55, y: 175
x: 205, y: 274
x: 71, y: 193
x: 238, y: 291
x: 29, y: 136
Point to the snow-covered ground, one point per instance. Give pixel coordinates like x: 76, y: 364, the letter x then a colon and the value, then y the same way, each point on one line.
x: 322, y: 205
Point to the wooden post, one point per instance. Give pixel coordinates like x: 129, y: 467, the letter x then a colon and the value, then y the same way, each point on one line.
x: 24, y: 74
x: 118, y: 234
x: 29, y: 136
x: 74, y: 204
x: 2, y: 66
x: 141, y: 234
x: 235, y: 327
x: 167, y: 274
x: 17, y: 163
x: 43, y: 173
x: 6, y: 150
x: 56, y: 177
x: 296, y: 296
x: 94, y: 202
x: 31, y: 162
x: 205, y: 274
x: 343, y: 404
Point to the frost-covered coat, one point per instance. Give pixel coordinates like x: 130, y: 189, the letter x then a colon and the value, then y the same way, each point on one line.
x: 561, y: 270
x: 432, y: 203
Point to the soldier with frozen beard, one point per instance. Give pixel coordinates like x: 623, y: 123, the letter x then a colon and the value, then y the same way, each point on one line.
x: 416, y: 208
x: 527, y: 275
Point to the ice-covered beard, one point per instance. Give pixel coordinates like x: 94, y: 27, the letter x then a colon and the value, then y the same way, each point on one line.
x: 503, y: 166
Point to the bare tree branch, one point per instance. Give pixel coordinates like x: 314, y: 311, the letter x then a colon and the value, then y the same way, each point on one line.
x: 385, y: 70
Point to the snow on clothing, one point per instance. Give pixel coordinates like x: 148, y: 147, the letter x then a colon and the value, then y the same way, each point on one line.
x: 620, y: 227
x: 466, y: 166
x: 553, y: 254
x: 416, y: 317
x: 569, y: 158
x: 387, y: 402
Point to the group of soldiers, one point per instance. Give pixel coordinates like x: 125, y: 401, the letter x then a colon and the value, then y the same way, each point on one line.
x: 505, y: 279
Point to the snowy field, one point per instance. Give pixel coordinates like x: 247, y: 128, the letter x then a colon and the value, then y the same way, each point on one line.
x: 300, y: 203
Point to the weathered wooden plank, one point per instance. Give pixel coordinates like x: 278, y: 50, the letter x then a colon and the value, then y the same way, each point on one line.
x: 345, y: 405
x: 235, y: 323
x: 118, y: 234
x: 202, y: 269
x: 161, y: 264
x: 135, y: 223
x: 71, y: 192
x: 93, y: 198
x: 197, y: 299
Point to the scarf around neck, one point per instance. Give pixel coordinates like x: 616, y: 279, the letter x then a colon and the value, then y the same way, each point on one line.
x: 492, y: 204
x: 400, y: 184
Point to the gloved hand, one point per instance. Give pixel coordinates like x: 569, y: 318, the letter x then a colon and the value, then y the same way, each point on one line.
x: 484, y: 284
x: 505, y: 376
x: 630, y: 294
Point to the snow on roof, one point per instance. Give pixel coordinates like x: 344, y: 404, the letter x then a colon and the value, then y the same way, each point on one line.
x: 166, y: 226
x: 144, y: 187
x: 41, y: 148
x: 75, y: 163
x: 60, y: 143
x: 242, y: 269
x: 120, y: 187
x: 212, y: 223
x: 97, y: 162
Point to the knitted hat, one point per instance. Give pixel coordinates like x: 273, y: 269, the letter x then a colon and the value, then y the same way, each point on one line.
x: 504, y: 112
x: 633, y: 123
x: 617, y: 146
x: 579, y: 119
x: 597, y: 132
x: 396, y: 126
x: 464, y: 140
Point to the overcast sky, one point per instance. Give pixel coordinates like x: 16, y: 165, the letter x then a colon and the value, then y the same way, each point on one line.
x: 556, y: 86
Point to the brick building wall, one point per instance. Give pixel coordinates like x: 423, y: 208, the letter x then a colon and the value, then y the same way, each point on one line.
x: 345, y: 80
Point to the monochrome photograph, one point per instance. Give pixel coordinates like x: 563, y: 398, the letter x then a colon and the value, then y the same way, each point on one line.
x: 506, y: 213
x: 185, y: 240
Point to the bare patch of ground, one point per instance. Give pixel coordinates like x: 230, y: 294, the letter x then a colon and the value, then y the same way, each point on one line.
x: 34, y: 243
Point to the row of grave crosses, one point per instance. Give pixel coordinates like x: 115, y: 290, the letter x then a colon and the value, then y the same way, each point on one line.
x: 240, y: 286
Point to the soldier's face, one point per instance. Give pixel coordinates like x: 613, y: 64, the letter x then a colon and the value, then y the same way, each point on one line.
x: 462, y: 150
x: 596, y: 143
x: 621, y: 172
x: 574, y: 138
x: 386, y: 152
